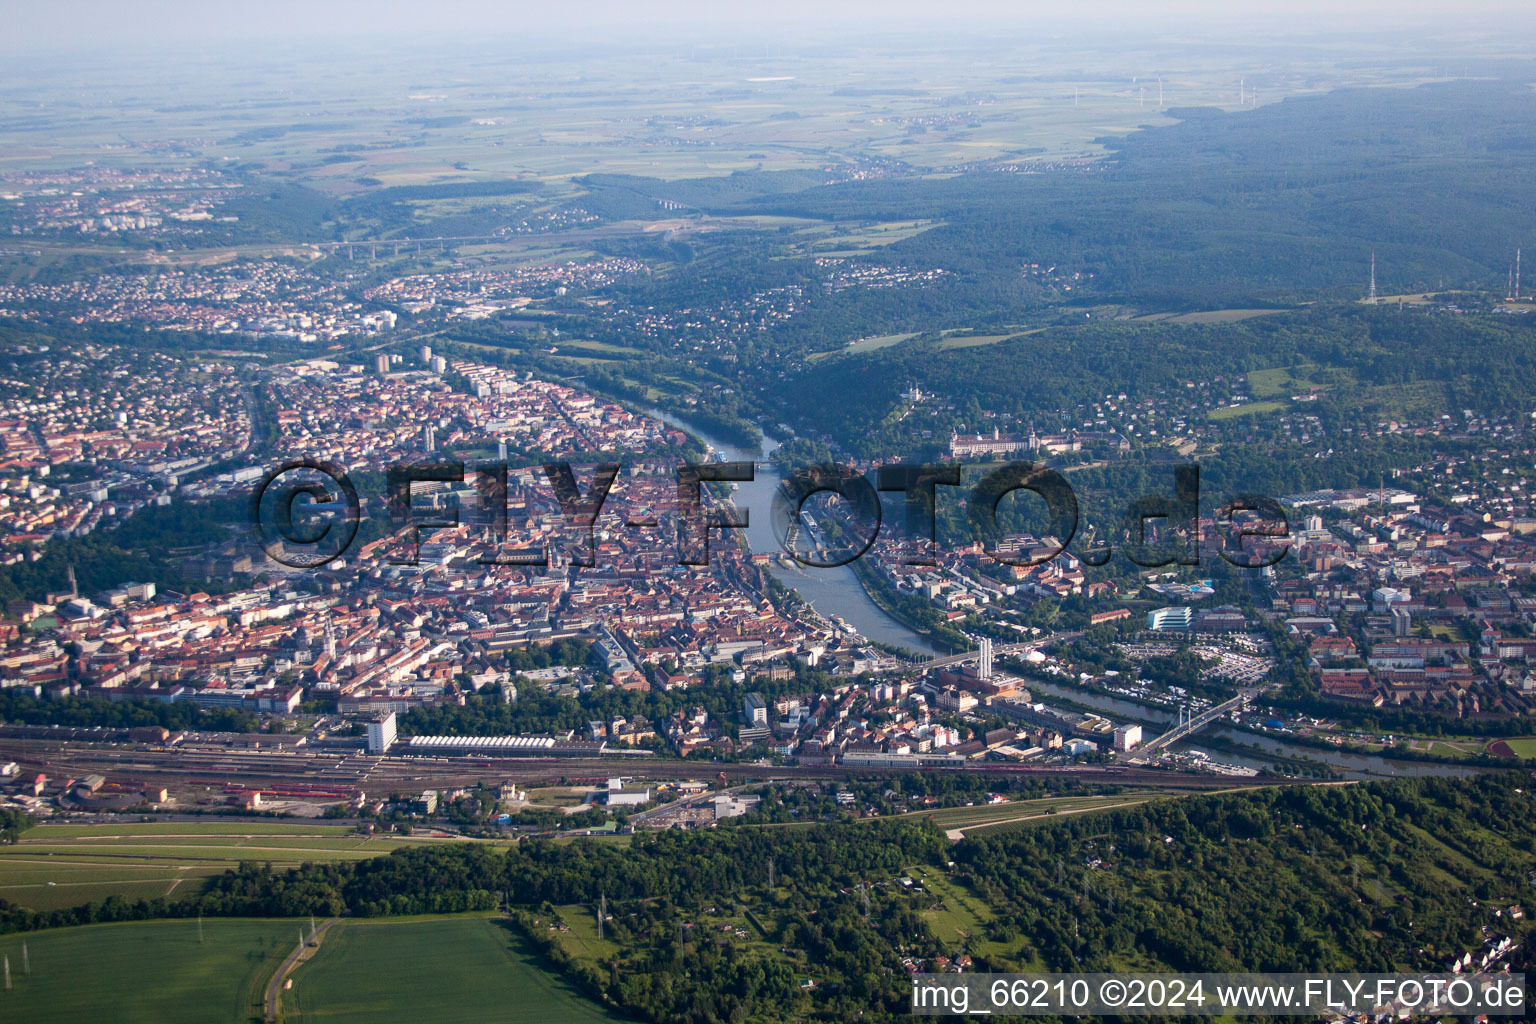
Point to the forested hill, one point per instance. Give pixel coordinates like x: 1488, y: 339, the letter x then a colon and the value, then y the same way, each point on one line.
x: 1278, y: 203
x: 1356, y: 878
x: 1361, y: 364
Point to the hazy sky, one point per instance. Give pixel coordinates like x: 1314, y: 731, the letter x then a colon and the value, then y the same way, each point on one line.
x: 150, y: 24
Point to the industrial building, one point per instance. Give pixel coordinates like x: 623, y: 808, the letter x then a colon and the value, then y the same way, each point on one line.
x: 507, y: 746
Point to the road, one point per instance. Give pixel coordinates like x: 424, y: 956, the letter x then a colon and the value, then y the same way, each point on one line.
x: 1004, y: 650
x: 1189, y: 728
x: 303, y: 952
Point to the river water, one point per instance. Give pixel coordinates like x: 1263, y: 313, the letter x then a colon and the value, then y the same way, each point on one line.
x: 837, y: 591
x: 1354, y: 766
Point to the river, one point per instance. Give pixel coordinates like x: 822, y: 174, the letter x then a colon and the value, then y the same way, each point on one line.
x: 837, y: 591
x: 1353, y: 766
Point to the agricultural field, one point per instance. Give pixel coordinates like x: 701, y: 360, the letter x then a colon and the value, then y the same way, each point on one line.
x: 154, y: 972
x: 822, y: 240
x: 701, y: 111
x: 56, y: 866
x: 457, y: 970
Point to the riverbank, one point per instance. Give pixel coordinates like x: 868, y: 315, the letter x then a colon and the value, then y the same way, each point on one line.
x: 1401, y: 753
x: 832, y: 592
x: 1301, y: 740
x: 1219, y: 744
x: 882, y: 597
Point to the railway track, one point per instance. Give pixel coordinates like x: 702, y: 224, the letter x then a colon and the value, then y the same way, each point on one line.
x: 259, y: 770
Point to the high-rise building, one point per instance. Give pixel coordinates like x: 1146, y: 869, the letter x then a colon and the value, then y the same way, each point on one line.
x: 426, y: 353
x: 381, y: 734
x: 755, y: 710
x: 984, y: 669
x: 381, y: 363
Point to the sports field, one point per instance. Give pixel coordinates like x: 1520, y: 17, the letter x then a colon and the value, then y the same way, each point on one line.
x: 154, y: 972
x: 57, y: 866
x: 454, y: 970
x: 1523, y: 747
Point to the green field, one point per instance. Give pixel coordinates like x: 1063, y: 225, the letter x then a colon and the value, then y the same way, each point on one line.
x: 1279, y: 381
x: 953, y: 915
x: 1451, y: 748
x: 558, y: 796
x: 825, y: 240
x: 156, y: 972
x: 982, y: 815
x: 1249, y: 409
x: 1221, y: 316
x: 863, y: 345
x: 1524, y: 747
x: 580, y: 937
x: 951, y: 340
x: 972, y: 340
x: 56, y: 866
x: 599, y: 346
x: 456, y: 970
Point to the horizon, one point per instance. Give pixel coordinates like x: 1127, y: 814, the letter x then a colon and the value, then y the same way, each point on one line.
x: 171, y: 26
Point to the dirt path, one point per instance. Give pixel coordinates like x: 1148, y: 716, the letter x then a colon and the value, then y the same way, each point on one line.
x: 298, y: 956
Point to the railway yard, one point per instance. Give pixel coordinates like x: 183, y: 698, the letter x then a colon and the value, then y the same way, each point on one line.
x: 344, y: 775
x: 158, y: 821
